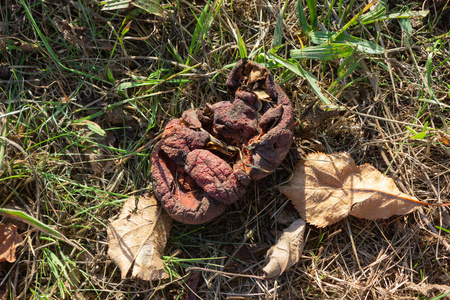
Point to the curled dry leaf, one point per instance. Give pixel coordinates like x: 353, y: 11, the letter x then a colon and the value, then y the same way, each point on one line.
x: 287, y: 250
x: 325, y: 188
x: 9, y: 240
x: 138, y: 238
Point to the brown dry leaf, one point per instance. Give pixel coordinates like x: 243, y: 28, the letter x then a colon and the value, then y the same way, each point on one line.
x: 444, y: 138
x: 138, y: 238
x: 262, y: 95
x: 325, y: 188
x: 9, y: 240
x: 287, y: 250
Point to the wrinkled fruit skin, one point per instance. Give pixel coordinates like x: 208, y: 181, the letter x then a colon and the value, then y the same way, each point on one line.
x: 205, y: 160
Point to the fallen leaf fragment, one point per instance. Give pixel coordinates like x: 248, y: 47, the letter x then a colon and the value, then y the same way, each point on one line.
x: 138, y: 238
x: 9, y: 240
x: 287, y: 250
x: 325, y: 188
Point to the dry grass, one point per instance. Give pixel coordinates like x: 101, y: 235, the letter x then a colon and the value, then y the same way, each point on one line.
x: 52, y: 78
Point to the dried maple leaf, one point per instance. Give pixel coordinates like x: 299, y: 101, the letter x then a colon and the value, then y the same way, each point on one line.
x: 325, y: 188
x: 287, y: 250
x: 9, y: 240
x: 137, y: 239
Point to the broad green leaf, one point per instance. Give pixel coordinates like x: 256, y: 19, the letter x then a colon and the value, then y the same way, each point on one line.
x: 406, y: 26
x: 408, y: 14
x: 342, y: 46
x: 116, y: 4
x: 94, y: 127
x: 367, y: 47
x: 323, y: 52
x: 376, y: 14
x: 150, y: 6
x: 419, y: 135
x: 321, y: 37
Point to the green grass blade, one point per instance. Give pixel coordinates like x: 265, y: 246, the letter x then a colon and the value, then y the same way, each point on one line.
x: 429, y: 77
x: 297, y: 69
x: 348, y: 8
x: 344, y: 70
x: 301, y: 16
x: 441, y: 296
x: 197, y: 31
x: 312, y: 7
x: 237, y: 36
x: 201, y: 29
x: 329, y: 10
x: 50, y: 49
x: 26, y: 218
x: 353, y: 20
x: 443, y: 229
x: 241, y: 44
x: 173, y: 50
x: 278, y: 34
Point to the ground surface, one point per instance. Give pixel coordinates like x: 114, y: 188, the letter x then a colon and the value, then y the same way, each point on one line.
x: 84, y: 94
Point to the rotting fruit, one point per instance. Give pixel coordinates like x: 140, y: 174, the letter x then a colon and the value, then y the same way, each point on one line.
x: 205, y: 160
